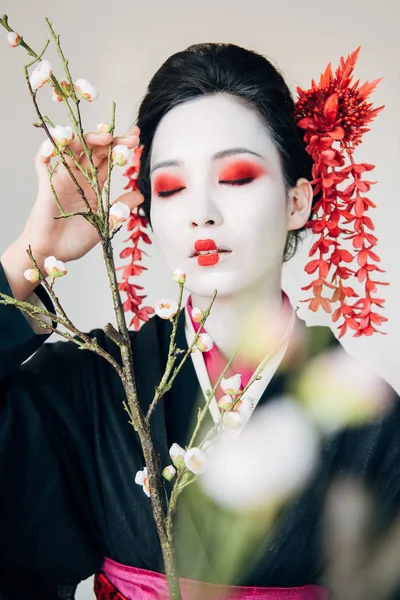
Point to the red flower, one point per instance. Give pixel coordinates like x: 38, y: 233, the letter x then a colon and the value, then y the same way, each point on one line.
x: 135, y: 224
x: 334, y: 115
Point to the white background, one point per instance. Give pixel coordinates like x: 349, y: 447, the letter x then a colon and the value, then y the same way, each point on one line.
x: 119, y: 46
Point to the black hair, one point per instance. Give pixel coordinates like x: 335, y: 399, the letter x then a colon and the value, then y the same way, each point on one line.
x: 211, y: 68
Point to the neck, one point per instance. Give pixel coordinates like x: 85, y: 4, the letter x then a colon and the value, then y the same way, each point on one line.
x: 230, y: 315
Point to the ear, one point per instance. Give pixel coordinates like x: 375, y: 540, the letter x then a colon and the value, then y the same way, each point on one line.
x: 299, y: 204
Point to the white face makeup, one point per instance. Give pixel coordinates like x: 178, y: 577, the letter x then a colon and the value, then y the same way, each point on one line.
x: 216, y: 175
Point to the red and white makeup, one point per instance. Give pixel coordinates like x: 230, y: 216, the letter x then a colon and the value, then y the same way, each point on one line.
x: 219, y: 208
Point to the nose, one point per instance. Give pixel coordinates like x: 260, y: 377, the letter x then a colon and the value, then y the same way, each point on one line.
x: 204, y: 212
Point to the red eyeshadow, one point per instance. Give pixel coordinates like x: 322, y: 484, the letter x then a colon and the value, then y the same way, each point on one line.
x: 242, y: 169
x: 166, y: 182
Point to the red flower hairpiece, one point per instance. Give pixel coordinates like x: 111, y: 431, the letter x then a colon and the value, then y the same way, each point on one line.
x: 137, y: 222
x: 334, y: 115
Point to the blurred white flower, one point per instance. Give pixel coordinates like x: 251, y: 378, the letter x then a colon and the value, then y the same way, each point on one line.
x: 273, y: 457
x: 179, y: 276
x: 120, y: 155
x: 13, y: 39
x: 119, y: 213
x: 142, y: 479
x: 339, y: 391
x: 225, y: 403
x: 62, y: 135
x: 54, y: 267
x: 166, y: 308
x: 204, y: 342
x: 40, y: 75
x: 231, y: 385
x: 197, y: 315
x: 47, y: 149
x: 169, y: 472
x: 32, y: 275
x: 66, y: 88
x: 103, y: 128
x: 85, y: 90
x: 196, y: 460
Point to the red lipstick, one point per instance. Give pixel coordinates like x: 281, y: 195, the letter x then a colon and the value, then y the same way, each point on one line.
x: 207, y: 252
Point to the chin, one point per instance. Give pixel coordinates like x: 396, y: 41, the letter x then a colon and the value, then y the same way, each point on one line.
x: 204, y: 284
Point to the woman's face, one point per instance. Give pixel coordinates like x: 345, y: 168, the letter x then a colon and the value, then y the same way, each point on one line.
x: 217, y: 183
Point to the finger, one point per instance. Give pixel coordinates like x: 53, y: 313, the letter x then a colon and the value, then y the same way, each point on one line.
x: 132, y: 199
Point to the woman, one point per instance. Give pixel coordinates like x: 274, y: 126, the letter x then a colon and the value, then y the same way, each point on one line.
x: 224, y: 171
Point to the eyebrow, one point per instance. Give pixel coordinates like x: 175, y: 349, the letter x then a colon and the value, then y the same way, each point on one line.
x: 216, y: 156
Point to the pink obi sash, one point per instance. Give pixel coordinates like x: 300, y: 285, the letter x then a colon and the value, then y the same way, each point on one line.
x: 122, y: 582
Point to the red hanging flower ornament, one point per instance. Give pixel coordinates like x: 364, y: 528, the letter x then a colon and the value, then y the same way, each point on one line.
x: 136, y: 224
x: 334, y: 115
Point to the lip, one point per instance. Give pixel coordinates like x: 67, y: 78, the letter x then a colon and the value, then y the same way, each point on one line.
x: 201, y: 247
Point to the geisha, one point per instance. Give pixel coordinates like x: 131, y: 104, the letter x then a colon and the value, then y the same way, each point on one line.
x: 225, y: 183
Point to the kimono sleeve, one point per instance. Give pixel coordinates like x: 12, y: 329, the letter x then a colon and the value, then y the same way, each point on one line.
x: 47, y: 536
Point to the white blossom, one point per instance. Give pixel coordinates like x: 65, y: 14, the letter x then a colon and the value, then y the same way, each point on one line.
x: 62, y: 135
x: 32, y: 275
x: 231, y: 385
x: 47, y: 149
x: 13, y: 39
x: 204, y: 342
x: 169, y: 472
x: 103, y: 128
x: 179, y: 276
x: 40, y: 75
x: 196, y: 460
x: 226, y: 402
x: 197, y: 314
x: 120, y: 155
x: 54, y: 267
x: 141, y: 478
x: 177, y: 454
x: 166, y: 308
x: 119, y: 213
x: 339, y: 391
x: 272, y: 459
x: 85, y: 90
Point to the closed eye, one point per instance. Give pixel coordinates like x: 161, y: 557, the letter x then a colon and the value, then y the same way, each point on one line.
x: 167, y: 193
x: 238, y: 181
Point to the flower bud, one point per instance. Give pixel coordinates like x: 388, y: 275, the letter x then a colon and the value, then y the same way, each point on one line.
x: 204, y: 342
x: 225, y: 403
x: 32, y: 275
x: 119, y: 213
x: 231, y: 385
x: 169, y: 472
x: 40, y: 75
x: 104, y: 128
x: 85, y: 90
x: 120, y: 155
x: 179, y: 276
x: 166, y: 308
x: 177, y: 454
x: 62, y: 135
x: 13, y: 39
x: 54, y: 267
x: 55, y: 97
x: 197, y: 315
x: 196, y: 460
x: 47, y: 149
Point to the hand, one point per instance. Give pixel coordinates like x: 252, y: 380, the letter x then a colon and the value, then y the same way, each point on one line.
x: 71, y: 238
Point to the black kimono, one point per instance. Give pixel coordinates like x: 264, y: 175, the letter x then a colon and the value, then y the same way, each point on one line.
x: 68, y: 459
